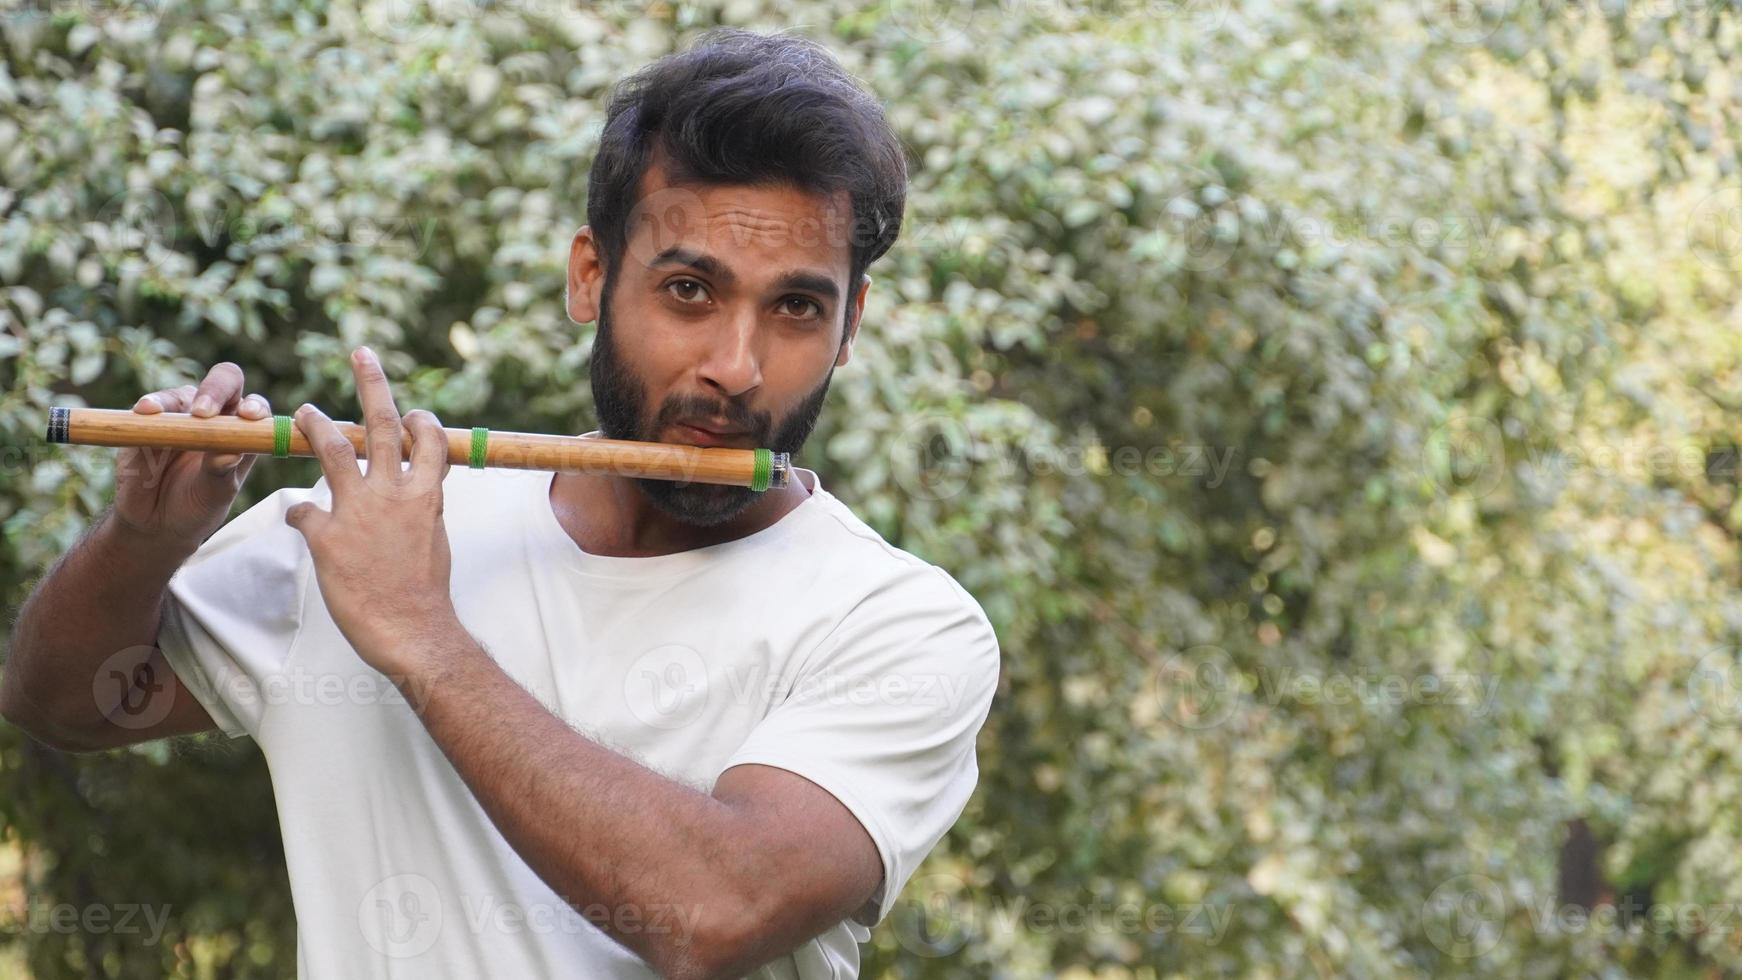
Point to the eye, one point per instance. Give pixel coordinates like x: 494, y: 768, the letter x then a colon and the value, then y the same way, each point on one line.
x: 804, y: 302
x: 686, y: 290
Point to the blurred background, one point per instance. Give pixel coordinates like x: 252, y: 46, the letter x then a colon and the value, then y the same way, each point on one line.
x: 1333, y: 404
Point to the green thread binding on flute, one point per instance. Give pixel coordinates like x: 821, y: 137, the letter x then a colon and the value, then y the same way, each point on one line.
x: 281, y: 435
x: 480, y: 438
x: 764, y: 466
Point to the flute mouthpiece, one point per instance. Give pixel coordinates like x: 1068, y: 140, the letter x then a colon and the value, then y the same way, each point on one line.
x: 779, y: 468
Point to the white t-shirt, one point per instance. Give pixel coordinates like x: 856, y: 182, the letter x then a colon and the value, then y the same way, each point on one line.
x: 812, y: 645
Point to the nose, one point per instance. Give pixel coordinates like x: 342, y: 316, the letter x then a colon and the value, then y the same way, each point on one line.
x: 732, y: 366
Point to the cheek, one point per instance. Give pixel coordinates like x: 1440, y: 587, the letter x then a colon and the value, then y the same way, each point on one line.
x: 640, y: 337
x: 663, y: 355
x: 788, y: 382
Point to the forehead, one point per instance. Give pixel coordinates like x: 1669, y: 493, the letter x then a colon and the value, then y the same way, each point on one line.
x: 749, y: 227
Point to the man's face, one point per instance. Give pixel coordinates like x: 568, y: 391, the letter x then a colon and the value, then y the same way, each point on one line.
x: 721, y: 326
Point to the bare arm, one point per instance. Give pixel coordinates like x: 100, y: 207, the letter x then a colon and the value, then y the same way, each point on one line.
x: 83, y: 671
x: 699, y: 886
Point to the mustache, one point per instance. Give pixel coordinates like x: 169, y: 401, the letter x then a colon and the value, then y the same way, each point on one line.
x: 686, y: 407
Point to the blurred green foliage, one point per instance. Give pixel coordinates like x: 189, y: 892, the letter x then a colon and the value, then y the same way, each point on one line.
x: 1332, y: 404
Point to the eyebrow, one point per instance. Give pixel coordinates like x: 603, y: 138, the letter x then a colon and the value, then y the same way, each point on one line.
x: 808, y: 280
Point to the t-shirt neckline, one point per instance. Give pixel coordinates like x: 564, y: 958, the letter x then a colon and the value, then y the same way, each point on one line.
x: 643, y: 568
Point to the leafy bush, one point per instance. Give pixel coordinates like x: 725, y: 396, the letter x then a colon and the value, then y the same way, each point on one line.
x: 1329, y: 403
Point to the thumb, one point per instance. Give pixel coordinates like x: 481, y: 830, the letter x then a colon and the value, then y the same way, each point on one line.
x: 220, y: 464
x: 304, y: 517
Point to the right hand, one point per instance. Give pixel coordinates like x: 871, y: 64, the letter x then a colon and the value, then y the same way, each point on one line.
x: 178, y: 497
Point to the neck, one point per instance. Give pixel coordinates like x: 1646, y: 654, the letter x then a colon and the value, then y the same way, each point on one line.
x: 609, y: 516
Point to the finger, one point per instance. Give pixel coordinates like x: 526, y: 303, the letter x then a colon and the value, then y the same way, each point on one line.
x: 337, y: 458
x: 219, y: 391
x: 251, y: 407
x: 165, y: 400
x: 429, y: 445
x: 153, y: 403
x: 255, y: 406
x: 384, y: 436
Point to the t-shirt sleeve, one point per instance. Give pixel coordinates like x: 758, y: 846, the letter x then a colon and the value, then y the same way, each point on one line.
x: 885, y: 716
x: 235, y: 607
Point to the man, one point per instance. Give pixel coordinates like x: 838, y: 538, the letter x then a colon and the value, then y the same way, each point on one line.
x: 585, y: 725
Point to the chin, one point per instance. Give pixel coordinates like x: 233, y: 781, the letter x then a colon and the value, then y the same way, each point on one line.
x: 700, y: 504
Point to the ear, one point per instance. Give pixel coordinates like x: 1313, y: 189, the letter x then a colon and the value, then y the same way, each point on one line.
x: 855, y: 312
x: 586, y: 277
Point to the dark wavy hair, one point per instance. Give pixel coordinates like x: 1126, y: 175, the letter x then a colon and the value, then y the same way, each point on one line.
x: 740, y: 107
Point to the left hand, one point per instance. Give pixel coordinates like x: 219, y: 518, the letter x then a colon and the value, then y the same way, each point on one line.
x: 381, y: 554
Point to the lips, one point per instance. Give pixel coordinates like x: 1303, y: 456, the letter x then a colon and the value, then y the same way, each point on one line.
x: 705, y: 434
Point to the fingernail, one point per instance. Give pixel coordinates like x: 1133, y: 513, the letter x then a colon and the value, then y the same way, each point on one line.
x: 365, y: 355
x: 148, y: 400
x: 204, y: 405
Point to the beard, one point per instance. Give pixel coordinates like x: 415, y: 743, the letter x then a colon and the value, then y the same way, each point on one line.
x: 618, y: 397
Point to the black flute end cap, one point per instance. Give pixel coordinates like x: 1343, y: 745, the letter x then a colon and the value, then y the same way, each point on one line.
x: 57, y: 424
